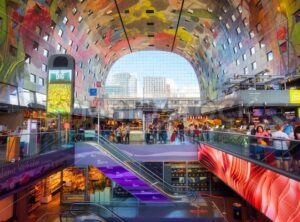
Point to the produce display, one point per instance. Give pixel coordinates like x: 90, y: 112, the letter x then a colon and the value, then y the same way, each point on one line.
x: 59, y: 98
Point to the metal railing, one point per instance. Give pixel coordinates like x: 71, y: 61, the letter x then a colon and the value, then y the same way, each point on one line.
x: 19, y: 147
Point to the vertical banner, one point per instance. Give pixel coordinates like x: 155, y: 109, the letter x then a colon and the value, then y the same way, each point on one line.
x: 60, y: 84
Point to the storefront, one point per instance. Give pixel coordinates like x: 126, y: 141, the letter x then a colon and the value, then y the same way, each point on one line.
x: 85, y: 184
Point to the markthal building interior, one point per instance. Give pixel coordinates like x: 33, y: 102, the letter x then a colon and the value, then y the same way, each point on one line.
x: 149, y: 110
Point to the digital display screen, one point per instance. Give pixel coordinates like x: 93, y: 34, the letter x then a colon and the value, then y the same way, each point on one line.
x: 275, y: 195
x: 60, y: 91
x: 294, y: 96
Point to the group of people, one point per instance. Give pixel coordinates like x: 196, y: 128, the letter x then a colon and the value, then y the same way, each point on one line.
x: 162, y: 131
x: 121, y: 134
x: 198, y: 133
x: 155, y: 133
x: 284, y: 140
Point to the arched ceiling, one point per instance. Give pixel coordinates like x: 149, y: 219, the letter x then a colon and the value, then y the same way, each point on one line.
x: 181, y: 26
x: 222, y: 39
x: 185, y: 27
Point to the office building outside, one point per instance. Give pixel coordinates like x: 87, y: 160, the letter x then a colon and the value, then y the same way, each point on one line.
x: 155, y: 87
x: 121, y: 85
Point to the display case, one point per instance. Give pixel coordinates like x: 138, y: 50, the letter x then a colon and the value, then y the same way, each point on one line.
x: 175, y: 173
x: 198, y: 177
x: 193, y: 174
x: 74, y: 184
x: 55, y: 182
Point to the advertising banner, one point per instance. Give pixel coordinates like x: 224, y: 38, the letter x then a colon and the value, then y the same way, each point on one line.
x: 294, y: 96
x: 60, y: 91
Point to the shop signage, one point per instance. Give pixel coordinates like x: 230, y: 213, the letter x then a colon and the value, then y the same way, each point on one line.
x: 294, y: 96
x: 98, y: 84
x: 93, y: 91
x: 60, y: 99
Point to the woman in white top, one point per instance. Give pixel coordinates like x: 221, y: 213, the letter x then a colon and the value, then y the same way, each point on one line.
x: 282, y: 154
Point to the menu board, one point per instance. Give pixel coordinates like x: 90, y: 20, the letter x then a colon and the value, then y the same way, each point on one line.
x: 60, y: 91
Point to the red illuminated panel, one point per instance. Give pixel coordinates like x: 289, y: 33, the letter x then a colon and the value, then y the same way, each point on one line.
x: 273, y: 194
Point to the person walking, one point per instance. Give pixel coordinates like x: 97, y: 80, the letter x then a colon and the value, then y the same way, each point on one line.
x: 281, y: 144
x: 181, y: 132
x: 118, y: 135
x: 127, y: 134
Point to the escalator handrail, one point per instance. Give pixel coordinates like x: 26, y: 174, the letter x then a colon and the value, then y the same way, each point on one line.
x: 138, y: 173
x: 149, y: 172
x: 142, y: 166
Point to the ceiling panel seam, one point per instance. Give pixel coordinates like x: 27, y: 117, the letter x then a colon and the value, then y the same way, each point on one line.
x: 177, y: 26
x: 117, y: 7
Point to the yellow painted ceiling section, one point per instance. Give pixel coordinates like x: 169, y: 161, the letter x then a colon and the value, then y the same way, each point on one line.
x: 184, y: 34
x: 138, y: 12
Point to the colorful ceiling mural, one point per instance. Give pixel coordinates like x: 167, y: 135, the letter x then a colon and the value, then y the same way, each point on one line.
x: 223, y: 40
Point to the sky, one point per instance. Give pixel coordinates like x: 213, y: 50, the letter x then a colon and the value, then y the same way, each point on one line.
x: 173, y: 67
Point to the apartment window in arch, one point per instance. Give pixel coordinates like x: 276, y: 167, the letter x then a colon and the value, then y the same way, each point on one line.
x: 38, y: 30
x: 233, y: 18
x: 35, y: 46
x: 60, y: 32
x: 65, y: 20
x: 252, y: 51
x: 244, y: 57
x: 32, y: 78
x: 262, y: 44
x: 258, y: 27
x: 44, y: 67
x: 238, y: 30
x: 53, y: 24
x: 58, y: 47
x: 74, y: 11
x: 246, y: 71
x: 254, y: 65
x: 251, y: 34
x: 235, y: 49
x: 27, y: 59
x: 240, y: 9
x: 46, y: 53
x: 245, y: 22
x: 270, y: 56
x: 46, y: 37
x: 240, y: 45
x: 72, y: 27
x: 41, y: 81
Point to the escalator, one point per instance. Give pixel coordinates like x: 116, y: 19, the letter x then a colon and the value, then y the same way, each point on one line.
x: 129, y: 173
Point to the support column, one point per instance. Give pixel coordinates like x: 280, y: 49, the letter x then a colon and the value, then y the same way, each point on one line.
x: 47, y: 196
x: 21, y: 205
